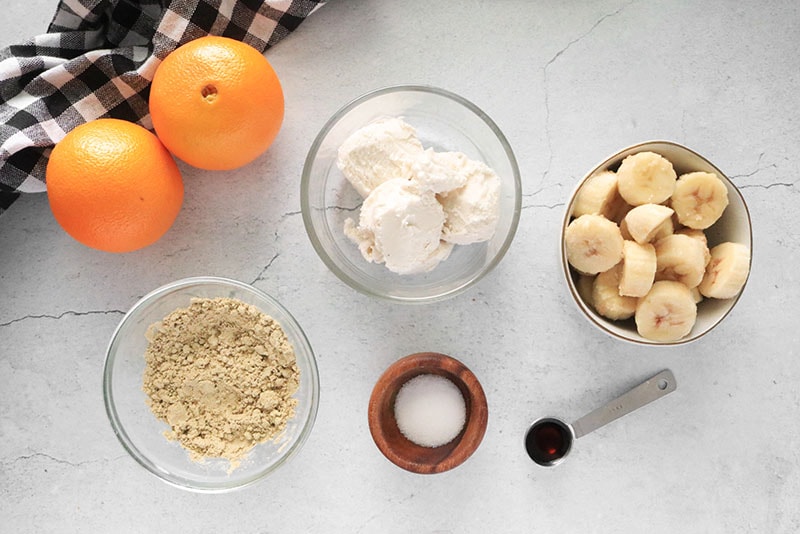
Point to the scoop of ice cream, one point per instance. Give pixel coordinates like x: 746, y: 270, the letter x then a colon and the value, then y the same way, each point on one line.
x: 378, y: 152
x: 472, y: 210
x: 441, y: 171
x: 400, y: 225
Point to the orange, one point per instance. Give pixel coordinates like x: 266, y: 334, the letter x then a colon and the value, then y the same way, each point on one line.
x: 113, y: 186
x: 216, y: 103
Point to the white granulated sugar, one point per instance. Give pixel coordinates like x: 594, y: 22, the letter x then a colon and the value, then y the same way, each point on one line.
x: 430, y: 410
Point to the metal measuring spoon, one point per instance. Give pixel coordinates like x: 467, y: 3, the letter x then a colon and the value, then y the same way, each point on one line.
x: 549, y: 440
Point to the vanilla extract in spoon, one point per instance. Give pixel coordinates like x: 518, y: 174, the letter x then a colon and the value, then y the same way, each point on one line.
x: 549, y: 440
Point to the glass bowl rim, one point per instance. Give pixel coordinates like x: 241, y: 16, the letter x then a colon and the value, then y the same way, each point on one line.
x: 146, y: 462
x: 305, y: 207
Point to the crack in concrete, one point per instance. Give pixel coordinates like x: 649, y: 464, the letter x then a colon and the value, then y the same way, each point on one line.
x: 759, y: 168
x: 767, y: 186
x: 290, y: 214
x: 266, y: 268
x: 525, y: 195
x: 343, y: 208
x: 177, y: 252
x: 63, y: 314
x: 545, y: 206
x: 61, y: 461
x: 552, y: 60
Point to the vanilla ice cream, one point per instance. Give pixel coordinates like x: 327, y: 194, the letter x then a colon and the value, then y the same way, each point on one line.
x: 400, y: 225
x: 379, y: 151
x: 472, y: 210
x: 418, y: 203
x: 441, y: 171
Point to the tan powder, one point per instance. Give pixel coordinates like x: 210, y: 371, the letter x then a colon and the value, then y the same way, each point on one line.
x: 222, y: 374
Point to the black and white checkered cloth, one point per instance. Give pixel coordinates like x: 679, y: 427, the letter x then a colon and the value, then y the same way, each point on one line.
x: 97, y: 60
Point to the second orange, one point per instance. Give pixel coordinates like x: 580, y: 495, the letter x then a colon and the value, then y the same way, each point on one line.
x: 216, y: 103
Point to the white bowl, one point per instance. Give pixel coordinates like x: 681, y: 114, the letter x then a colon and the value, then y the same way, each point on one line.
x: 734, y: 225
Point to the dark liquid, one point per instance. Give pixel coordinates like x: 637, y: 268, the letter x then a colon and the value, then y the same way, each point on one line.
x: 548, y: 441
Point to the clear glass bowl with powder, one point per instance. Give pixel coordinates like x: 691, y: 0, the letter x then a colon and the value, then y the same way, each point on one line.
x: 142, y: 434
x: 443, y: 121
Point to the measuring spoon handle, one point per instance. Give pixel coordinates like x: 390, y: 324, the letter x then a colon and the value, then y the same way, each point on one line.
x: 652, y: 389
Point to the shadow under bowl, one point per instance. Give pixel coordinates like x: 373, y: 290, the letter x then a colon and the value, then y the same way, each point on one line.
x: 405, y: 453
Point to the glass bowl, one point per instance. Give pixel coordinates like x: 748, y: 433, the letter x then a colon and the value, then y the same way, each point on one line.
x: 141, y: 433
x: 734, y: 225
x: 445, y: 122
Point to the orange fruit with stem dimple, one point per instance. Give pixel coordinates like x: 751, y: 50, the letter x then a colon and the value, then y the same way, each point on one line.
x: 216, y: 103
x: 113, y: 186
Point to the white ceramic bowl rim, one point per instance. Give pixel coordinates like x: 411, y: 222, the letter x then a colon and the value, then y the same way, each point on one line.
x: 585, y: 308
x: 315, y: 146
x: 143, y: 460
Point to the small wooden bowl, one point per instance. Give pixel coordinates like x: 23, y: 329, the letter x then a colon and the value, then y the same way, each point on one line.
x: 407, y: 454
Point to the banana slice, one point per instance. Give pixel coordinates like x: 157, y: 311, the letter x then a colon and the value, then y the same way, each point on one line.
x: 667, y: 313
x: 598, y: 195
x: 696, y: 295
x: 699, y: 235
x: 666, y: 228
x: 618, y: 209
x: 594, y: 244
x: 693, y: 233
x: 699, y: 199
x: 623, y: 230
x: 644, y: 222
x: 727, y: 271
x: 606, y: 298
x: 680, y: 258
x: 584, y: 285
x: 645, y: 178
x: 638, y: 269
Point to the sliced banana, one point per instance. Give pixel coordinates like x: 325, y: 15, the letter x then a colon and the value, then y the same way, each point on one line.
x: 696, y: 295
x: 699, y: 199
x: 667, y: 313
x: 584, y: 286
x: 644, y: 222
x: 727, y: 271
x: 618, y: 209
x: 645, y: 178
x: 699, y: 235
x: 598, y: 195
x: 666, y: 228
x: 593, y: 244
x: 639, y: 246
x: 694, y: 233
x: 680, y: 258
x: 606, y: 298
x: 623, y: 229
x: 638, y: 269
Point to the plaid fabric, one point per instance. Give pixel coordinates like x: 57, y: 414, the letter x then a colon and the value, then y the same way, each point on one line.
x: 97, y: 60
